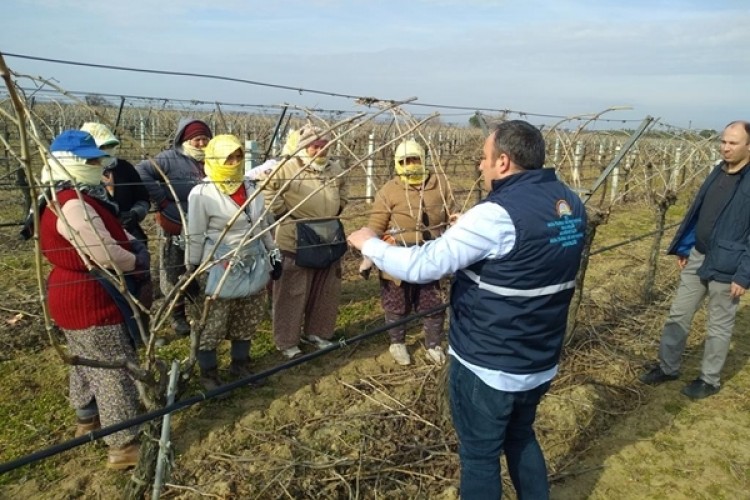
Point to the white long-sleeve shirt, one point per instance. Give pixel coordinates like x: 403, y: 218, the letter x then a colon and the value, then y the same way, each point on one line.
x: 483, y: 232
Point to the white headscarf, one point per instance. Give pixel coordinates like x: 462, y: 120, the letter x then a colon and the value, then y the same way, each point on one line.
x: 65, y: 166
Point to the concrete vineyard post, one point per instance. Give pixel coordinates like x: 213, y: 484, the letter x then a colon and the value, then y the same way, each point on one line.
x: 370, y: 184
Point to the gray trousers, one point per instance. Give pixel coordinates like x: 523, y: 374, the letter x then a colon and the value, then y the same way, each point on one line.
x: 171, y: 262
x: 721, y: 314
x: 171, y: 268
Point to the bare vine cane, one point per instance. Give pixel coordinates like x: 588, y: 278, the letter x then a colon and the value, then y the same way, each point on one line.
x: 180, y: 288
x: 25, y: 160
x: 124, y: 136
x: 595, y: 219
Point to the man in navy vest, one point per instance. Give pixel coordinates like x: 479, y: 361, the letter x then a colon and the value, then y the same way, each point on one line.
x: 515, y: 256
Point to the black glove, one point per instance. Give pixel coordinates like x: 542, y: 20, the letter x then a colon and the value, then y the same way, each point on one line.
x: 146, y: 294
x: 128, y: 217
x: 276, y: 264
x: 365, y: 268
x: 142, y: 260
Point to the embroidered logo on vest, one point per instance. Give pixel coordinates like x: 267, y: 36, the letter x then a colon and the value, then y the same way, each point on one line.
x: 563, y: 208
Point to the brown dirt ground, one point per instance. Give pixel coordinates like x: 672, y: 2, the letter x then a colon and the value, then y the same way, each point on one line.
x: 289, y: 439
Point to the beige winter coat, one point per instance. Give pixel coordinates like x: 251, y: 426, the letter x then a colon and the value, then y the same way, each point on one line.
x: 411, y: 215
x: 324, y: 194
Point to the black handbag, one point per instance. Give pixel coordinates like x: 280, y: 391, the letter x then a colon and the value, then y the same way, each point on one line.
x: 320, y: 243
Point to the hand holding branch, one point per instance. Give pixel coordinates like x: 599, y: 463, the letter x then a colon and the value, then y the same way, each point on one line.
x: 357, y: 238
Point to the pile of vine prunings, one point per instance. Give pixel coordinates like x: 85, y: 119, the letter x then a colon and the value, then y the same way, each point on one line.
x: 343, y: 436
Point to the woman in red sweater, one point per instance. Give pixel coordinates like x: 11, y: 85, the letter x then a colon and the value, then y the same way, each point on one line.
x: 79, y: 231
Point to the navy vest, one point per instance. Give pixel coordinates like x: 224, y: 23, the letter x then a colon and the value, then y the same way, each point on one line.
x: 510, y: 314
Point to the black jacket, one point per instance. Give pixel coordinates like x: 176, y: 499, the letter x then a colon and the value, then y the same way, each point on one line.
x: 130, y: 194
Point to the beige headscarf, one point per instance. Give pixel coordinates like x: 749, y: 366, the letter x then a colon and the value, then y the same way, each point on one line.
x: 104, y: 139
x: 101, y: 134
x: 301, y: 139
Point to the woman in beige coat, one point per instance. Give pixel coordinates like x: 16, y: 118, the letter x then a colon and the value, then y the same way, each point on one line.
x: 310, y: 190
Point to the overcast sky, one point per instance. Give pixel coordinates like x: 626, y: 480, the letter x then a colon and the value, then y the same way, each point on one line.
x: 686, y: 62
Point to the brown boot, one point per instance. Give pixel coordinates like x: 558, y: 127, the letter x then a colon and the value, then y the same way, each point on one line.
x: 123, y: 457
x: 86, y: 425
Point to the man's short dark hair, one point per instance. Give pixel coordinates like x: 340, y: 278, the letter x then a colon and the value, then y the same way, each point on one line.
x: 521, y: 141
x: 745, y: 125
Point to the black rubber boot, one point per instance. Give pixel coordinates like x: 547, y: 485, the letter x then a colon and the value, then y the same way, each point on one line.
x: 240, y: 366
x: 209, y: 378
x: 180, y: 322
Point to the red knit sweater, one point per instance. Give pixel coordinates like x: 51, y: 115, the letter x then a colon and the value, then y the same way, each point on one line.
x: 76, y: 300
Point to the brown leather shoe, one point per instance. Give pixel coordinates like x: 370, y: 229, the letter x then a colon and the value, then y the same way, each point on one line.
x: 86, y: 425
x: 123, y: 457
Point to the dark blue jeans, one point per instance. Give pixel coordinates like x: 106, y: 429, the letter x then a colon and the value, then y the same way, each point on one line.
x: 488, y: 422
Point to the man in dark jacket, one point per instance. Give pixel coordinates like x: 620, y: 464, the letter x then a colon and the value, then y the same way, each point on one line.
x: 182, y: 167
x: 713, y: 250
x: 515, y: 255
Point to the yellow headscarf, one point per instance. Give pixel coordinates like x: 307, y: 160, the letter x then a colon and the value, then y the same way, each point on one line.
x: 228, y: 178
x: 414, y: 174
x: 292, y: 143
